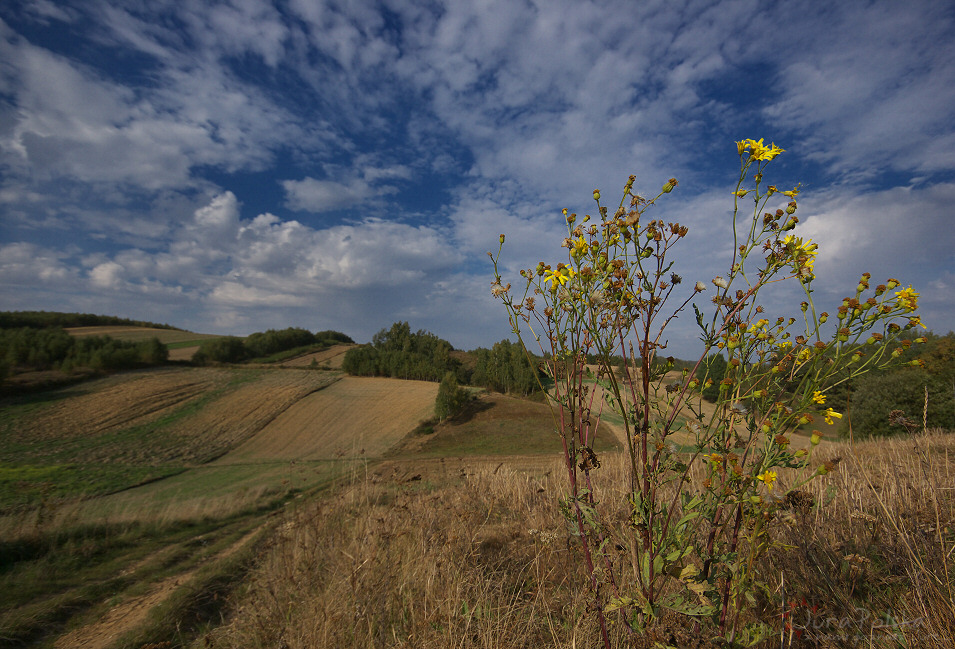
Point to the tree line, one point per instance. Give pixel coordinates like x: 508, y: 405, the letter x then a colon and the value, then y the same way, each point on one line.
x: 261, y: 345
x: 400, y: 353
x: 45, y: 319
x: 31, y: 349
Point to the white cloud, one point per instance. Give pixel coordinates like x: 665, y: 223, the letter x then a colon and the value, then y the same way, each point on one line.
x: 25, y: 265
x: 310, y: 195
x: 363, y: 188
x: 107, y: 275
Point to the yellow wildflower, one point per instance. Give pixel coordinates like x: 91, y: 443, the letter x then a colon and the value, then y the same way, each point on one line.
x: 558, y: 277
x: 803, y: 255
x: 830, y: 413
x: 758, y: 150
x: 907, y: 299
x: 579, y: 248
x: 768, y: 478
x: 818, y: 397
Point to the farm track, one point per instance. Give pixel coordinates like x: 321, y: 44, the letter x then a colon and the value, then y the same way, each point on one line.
x: 133, y: 612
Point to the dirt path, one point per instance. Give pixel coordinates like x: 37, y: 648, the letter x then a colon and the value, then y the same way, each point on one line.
x: 132, y: 613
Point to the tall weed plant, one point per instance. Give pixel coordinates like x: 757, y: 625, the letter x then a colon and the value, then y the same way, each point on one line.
x: 696, y: 519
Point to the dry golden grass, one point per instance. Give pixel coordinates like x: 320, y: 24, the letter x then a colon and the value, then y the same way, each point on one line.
x: 482, y: 558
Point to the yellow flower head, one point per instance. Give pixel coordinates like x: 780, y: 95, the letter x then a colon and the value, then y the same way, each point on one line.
x: 768, y: 478
x: 818, y: 397
x: 558, y: 277
x: 758, y: 150
x: 579, y: 248
x: 803, y: 255
x: 907, y: 299
x: 830, y: 413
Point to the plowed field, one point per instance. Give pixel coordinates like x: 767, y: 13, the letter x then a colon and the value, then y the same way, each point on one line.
x: 354, y: 416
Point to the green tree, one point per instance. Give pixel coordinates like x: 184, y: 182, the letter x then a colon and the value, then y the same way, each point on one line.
x: 714, y: 367
x: 227, y: 349
x: 451, y: 397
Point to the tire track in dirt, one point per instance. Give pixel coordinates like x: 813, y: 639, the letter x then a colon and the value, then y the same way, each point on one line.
x: 132, y: 613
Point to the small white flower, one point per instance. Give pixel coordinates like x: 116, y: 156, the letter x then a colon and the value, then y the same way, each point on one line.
x: 719, y: 281
x: 700, y: 287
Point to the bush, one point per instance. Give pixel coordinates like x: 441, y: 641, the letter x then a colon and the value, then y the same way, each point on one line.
x: 451, y: 398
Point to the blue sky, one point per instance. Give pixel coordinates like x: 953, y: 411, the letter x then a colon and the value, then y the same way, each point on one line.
x: 230, y: 167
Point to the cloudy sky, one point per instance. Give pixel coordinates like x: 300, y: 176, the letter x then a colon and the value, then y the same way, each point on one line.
x: 229, y: 167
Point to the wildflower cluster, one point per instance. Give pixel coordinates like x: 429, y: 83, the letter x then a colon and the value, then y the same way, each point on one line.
x: 691, y: 549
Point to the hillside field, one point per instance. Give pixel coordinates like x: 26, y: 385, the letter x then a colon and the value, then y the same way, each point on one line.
x: 133, y: 461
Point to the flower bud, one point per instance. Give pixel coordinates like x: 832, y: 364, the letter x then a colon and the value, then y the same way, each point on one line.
x: 791, y: 208
x: 596, y: 194
x: 501, y: 238
x: 669, y: 186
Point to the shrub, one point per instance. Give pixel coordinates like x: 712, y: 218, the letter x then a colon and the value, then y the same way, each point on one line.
x: 451, y: 398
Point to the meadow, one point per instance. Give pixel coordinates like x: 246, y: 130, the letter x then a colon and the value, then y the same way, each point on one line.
x: 252, y: 507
